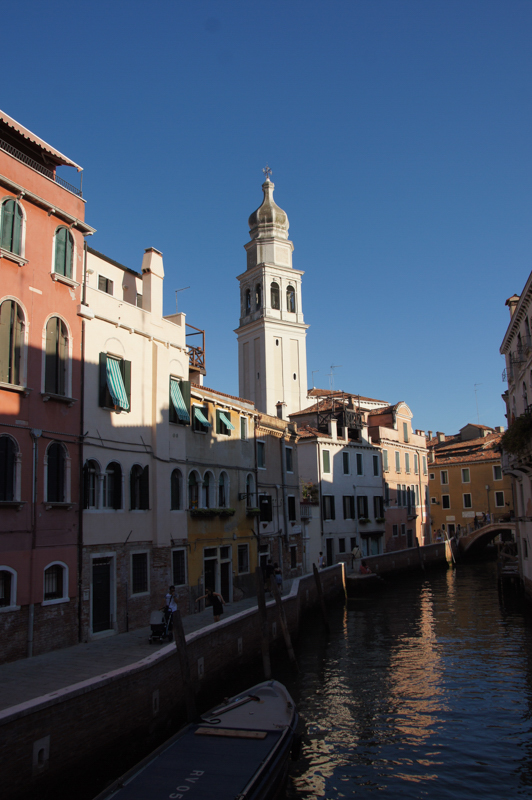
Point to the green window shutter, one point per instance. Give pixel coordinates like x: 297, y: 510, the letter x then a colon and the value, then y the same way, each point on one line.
x: 63, y: 358
x: 18, y: 327
x: 69, y: 249
x: 51, y: 360
x: 103, y: 380
x: 126, y: 374
x: 17, y: 230
x: 60, y: 251
x: 5, y: 340
x: 8, y: 209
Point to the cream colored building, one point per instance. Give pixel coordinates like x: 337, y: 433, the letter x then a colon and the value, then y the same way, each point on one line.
x: 272, y: 334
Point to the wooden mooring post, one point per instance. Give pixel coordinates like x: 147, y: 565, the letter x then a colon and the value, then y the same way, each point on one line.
x: 284, y: 624
x: 320, y: 595
x: 184, y: 666
x: 264, y: 639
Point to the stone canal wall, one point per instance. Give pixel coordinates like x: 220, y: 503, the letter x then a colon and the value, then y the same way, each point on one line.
x: 52, y: 734
x: 432, y: 555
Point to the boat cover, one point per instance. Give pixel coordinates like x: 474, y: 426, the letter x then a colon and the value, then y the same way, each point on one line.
x: 199, y: 768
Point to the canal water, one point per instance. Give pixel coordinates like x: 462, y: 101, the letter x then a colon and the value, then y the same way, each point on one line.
x: 422, y: 690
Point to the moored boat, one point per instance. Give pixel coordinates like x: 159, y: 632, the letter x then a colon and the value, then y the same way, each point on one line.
x: 237, y: 751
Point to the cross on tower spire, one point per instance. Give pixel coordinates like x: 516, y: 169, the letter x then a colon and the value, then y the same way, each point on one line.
x: 267, y: 171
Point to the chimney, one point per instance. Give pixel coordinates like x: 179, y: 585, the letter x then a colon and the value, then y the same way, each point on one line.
x: 512, y: 303
x: 441, y: 436
x: 333, y: 429
x: 152, y: 281
x: 499, y: 428
x: 429, y: 434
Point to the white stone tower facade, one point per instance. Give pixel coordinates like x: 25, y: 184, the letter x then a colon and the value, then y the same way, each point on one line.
x: 272, y: 356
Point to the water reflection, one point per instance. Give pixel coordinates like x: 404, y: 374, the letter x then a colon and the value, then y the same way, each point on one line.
x: 422, y: 690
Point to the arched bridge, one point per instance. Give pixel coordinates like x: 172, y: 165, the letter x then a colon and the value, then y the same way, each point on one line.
x: 476, y: 540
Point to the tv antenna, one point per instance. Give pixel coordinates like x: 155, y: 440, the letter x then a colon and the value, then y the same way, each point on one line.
x: 313, y: 373
x: 179, y: 290
x: 331, y: 375
x: 476, y: 401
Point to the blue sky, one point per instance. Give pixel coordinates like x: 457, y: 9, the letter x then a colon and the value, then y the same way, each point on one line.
x: 399, y: 138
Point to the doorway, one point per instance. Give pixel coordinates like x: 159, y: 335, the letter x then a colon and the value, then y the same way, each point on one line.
x: 102, y: 618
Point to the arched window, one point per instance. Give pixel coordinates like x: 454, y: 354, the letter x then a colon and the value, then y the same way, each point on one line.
x: 274, y: 295
x: 56, y: 473
x: 291, y: 299
x: 8, y: 587
x: 64, y: 252
x: 91, y: 484
x: 193, y: 491
x: 8, y: 456
x: 55, y: 372
x: 175, y: 490
x: 258, y: 296
x: 247, y: 302
x: 207, y: 490
x: 222, y: 490
x: 11, y: 342
x: 11, y: 227
x: 250, y: 491
x: 140, y: 488
x: 112, y: 486
x: 55, y: 582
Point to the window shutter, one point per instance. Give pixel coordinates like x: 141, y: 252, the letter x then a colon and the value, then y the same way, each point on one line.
x: 68, y: 254
x: 51, y: 362
x: 126, y: 375
x: 103, y: 379
x: 185, y: 391
x: 63, y: 357
x: 144, y: 488
x: 218, y: 422
x: 60, y: 250
x: 17, y: 230
x: 7, y: 224
x: 5, y: 340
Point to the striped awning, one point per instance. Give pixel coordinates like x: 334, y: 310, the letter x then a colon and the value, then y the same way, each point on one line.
x: 200, y: 416
x: 226, y: 421
x: 115, y: 383
x: 178, y: 401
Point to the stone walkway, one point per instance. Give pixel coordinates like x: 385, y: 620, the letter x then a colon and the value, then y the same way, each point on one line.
x: 29, y: 678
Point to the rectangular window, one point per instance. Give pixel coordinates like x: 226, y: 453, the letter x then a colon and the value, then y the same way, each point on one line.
x: 403, y: 529
x: 139, y: 573
x: 179, y: 567
x: 105, y: 285
x: 405, y: 431
x: 397, y: 461
x: 398, y: 493
x: 444, y: 477
x: 433, y: 500
x: 201, y: 419
x: 385, y: 460
x: 261, y: 455
x: 265, y: 506
x: 345, y: 458
x: 467, y: 501
x: 432, y: 476
x: 417, y: 495
x: 341, y: 545
x: 243, y: 558
x: 466, y: 476
x: 360, y: 466
x: 497, y: 473
x: 375, y: 465
x: 407, y: 463
x: 446, y: 501
x: 386, y: 493
x: 362, y: 506
x: 499, y: 499
x: 349, y: 506
x: 424, y: 465
x: 115, y: 383
x: 378, y: 507
x: 289, y: 459
x: 224, y: 426
x: 139, y: 300
x: 179, y: 406
x: 395, y: 530
x: 293, y: 556
x: 243, y: 427
x: 416, y: 464
x: 291, y: 509
x: 328, y: 507
x: 326, y: 461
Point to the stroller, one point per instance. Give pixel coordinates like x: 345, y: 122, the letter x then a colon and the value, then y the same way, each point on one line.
x: 161, y: 625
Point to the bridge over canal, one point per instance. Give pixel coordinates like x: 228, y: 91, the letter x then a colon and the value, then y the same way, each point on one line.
x: 477, y: 540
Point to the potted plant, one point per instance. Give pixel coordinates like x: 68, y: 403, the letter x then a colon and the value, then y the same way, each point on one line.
x: 380, y: 520
x: 226, y: 512
x: 252, y: 512
x: 363, y: 520
x: 204, y: 513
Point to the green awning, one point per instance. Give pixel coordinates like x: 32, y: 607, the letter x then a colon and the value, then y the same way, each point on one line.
x: 227, y: 422
x: 115, y: 382
x: 178, y: 402
x: 200, y: 416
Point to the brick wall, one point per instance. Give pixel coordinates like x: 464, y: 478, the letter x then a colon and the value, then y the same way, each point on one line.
x: 138, y: 699
x: 54, y: 626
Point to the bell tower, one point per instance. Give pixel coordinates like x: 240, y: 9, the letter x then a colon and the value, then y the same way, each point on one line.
x: 272, y: 356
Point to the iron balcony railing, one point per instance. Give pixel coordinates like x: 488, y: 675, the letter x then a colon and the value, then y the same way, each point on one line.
x: 49, y: 173
x: 507, y: 375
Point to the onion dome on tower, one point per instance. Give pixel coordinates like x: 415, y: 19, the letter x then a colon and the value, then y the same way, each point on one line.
x: 268, y: 220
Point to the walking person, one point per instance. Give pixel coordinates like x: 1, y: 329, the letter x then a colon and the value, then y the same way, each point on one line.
x: 216, y: 601
x: 321, y: 561
x: 268, y: 574
x: 278, y: 577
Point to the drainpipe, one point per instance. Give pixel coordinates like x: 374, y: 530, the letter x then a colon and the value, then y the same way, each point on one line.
x: 283, y: 479
x: 81, y: 458
x: 35, y: 435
